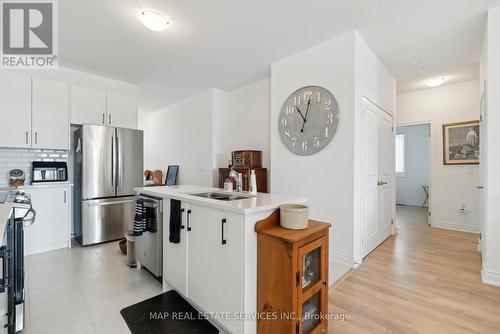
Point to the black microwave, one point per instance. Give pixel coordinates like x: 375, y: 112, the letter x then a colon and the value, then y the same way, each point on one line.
x: 49, y: 171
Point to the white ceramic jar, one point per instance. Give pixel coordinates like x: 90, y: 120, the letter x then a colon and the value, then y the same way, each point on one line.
x: 294, y: 216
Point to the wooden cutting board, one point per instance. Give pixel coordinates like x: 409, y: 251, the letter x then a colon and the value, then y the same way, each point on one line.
x: 158, y: 177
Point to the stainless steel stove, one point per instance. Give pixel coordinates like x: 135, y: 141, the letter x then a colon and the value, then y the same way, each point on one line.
x: 12, y: 255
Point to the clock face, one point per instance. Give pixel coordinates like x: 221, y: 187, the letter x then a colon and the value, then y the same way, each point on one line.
x: 308, y: 120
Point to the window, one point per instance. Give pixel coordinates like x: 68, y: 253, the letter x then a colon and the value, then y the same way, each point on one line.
x: 400, y: 155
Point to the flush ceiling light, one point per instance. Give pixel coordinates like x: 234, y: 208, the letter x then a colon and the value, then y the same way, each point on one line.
x: 154, y: 19
x: 434, y: 82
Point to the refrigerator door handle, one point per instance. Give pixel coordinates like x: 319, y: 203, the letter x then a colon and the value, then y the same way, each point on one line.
x: 112, y: 161
x: 118, y: 165
x: 111, y: 203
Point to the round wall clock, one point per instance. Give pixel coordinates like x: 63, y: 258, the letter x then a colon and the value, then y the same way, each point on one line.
x: 308, y: 120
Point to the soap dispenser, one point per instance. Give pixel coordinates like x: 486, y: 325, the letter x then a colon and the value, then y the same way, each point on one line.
x: 253, y: 182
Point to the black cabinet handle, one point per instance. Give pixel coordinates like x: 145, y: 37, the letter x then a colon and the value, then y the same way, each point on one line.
x: 188, y: 220
x: 3, y: 280
x: 182, y: 226
x: 223, y: 237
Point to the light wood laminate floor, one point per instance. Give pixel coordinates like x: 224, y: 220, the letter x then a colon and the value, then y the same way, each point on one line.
x: 421, y: 280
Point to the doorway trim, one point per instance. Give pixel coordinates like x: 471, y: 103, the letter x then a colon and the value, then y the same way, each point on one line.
x: 429, y: 153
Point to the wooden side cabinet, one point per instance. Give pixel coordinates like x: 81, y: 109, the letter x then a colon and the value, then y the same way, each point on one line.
x: 292, y: 278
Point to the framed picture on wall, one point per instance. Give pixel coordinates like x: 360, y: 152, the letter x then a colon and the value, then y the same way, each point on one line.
x: 461, y: 143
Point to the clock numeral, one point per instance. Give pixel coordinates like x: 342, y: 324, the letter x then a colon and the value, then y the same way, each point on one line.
x: 316, y: 141
x: 283, y: 122
x: 289, y: 110
x: 296, y: 100
x: 329, y: 118
x: 294, y: 141
x: 325, y: 132
x: 287, y: 133
x: 304, y: 145
x: 307, y: 95
x: 328, y: 105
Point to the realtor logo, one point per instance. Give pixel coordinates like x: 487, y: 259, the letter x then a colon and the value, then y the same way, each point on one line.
x: 29, y: 37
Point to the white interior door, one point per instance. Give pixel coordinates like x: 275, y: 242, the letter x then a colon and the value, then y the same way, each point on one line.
x: 378, y: 176
x: 482, y: 170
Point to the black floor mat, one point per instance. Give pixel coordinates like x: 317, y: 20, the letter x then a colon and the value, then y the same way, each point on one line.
x: 168, y: 313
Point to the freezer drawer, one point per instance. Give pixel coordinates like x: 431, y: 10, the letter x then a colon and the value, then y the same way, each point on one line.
x: 106, y: 219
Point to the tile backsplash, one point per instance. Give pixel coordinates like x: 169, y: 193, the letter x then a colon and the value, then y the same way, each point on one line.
x: 12, y: 158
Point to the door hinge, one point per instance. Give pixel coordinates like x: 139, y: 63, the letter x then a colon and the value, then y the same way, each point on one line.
x: 480, y: 117
x: 480, y: 236
x: 297, y: 278
x: 297, y: 327
x: 429, y: 213
x: 392, y: 221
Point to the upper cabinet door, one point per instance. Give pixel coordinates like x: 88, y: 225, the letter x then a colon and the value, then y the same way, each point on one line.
x: 122, y: 111
x: 88, y: 106
x: 50, y: 114
x: 15, y: 108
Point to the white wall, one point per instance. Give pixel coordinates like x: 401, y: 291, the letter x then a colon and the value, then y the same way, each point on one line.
x: 451, y: 186
x: 409, y: 189
x: 490, y: 71
x: 374, y: 82
x: 182, y: 135
x: 243, y: 122
x: 325, y: 178
x: 330, y: 179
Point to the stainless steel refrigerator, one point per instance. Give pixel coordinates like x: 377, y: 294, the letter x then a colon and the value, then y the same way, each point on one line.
x: 108, y: 165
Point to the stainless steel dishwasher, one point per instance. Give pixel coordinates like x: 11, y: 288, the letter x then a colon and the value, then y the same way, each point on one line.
x: 149, y: 245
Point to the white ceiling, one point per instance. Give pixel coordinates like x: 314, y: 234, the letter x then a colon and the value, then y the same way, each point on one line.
x: 227, y: 43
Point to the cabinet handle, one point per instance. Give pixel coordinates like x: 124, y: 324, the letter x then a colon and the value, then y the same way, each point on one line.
x: 182, y: 226
x: 65, y: 196
x: 36, y: 137
x: 223, y: 238
x: 188, y: 220
x: 103, y: 118
x: 109, y: 119
x: 26, y: 137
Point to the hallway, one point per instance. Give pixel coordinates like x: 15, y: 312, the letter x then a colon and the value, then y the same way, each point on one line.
x: 420, y: 280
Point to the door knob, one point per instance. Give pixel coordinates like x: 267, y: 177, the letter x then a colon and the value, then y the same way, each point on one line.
x: 382, y: 183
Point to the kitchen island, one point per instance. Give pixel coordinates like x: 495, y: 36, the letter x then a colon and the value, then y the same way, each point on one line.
x: 215, y: 263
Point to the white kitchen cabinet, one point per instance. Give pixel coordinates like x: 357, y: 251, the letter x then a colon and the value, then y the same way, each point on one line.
x: 175, y: 255
x: 87, y: 105
x: 204, y: 233
x: 50, y: 117
x: 50, y: 230
x: 232, y: 269
x: 206, y: 266
x: 121, y: 110
x: 15, y: 108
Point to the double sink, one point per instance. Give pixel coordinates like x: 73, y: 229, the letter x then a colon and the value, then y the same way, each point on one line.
x: 221, y: 196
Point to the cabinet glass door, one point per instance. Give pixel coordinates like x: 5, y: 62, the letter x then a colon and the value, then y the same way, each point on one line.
x: 311, y: 259
x: 311, y: 313
x: 313, y: 286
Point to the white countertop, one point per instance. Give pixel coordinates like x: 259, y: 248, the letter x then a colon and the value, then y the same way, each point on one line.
x: 261, y: 201
x: 46, y: 185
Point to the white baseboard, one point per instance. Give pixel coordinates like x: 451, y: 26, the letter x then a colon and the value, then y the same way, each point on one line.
x: 490, y: 277
x: 455, y: 226
x: 346, y: 260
